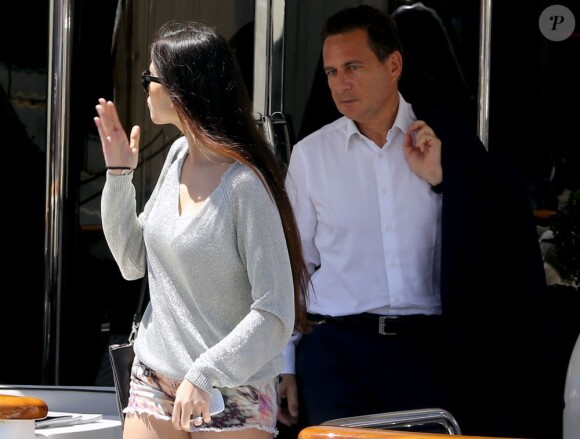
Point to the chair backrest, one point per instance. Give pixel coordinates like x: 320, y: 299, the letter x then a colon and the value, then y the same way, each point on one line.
x: 335, y: 432
x: 17, y: 416
x: 21, y: 407
x: 404, y: 419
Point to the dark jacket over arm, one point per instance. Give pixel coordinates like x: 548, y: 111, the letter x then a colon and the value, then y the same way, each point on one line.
x: 493, y: 290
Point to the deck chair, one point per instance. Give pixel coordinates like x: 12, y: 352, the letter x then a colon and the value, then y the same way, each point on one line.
x: 392, y: 425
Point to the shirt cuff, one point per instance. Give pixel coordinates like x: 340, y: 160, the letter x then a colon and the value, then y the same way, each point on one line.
x: 289, y: 354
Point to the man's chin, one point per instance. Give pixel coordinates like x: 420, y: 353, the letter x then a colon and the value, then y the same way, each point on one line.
x: 347, y: 113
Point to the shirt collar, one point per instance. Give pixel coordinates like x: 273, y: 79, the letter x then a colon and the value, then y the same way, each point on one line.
x: 351, y: 129
x: 405, y: 115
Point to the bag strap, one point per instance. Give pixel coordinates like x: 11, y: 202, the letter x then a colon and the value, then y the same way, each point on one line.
x: 139, y: 312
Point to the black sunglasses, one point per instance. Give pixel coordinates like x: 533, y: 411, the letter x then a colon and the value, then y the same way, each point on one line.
x: 147, y: 79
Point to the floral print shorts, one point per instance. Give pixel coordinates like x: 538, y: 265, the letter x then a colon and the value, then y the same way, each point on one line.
x: 245, y: 406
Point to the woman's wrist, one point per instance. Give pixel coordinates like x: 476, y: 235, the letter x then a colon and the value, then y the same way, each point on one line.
x: 119, y: 170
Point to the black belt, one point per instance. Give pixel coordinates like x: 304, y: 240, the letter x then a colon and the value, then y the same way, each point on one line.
x: 385, y: 325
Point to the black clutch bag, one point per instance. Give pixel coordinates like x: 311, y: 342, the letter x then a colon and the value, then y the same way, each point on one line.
x: 122, y: 355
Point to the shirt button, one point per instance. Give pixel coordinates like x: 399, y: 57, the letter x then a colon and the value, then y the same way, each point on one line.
x: 388, y: 227
x: 380, y: 155
x: 384, y: 190
x: 394, y: 264
x: 397, y: 300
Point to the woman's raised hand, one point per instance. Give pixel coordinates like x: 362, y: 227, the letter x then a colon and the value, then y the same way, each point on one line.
x: 119, y: 151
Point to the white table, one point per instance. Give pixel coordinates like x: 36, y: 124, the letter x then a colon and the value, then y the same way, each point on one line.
x: 102, y: 429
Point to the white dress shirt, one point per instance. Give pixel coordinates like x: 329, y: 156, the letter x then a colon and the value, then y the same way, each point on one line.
x: 370, y: 227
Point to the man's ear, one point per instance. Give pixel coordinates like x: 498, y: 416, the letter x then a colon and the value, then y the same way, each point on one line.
x: 395, y: 64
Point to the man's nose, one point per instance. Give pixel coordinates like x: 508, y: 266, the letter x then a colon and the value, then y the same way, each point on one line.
x: 343, y: 82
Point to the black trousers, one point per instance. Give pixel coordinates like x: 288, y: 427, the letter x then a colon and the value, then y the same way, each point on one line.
x: 347, y: 370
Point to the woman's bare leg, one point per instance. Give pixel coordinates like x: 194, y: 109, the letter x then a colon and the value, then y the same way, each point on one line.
x: 251, y: 433
x: 138, y: 426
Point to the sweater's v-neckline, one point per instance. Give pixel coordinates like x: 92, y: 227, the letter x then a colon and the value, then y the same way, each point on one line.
x: 200, y: 206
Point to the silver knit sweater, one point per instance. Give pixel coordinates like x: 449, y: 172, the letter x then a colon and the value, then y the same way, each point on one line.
x: 221, y: 309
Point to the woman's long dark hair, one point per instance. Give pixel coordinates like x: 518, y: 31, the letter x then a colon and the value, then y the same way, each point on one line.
x: 197, y: 67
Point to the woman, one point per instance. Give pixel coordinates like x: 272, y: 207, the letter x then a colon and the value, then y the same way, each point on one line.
x: 226, y: 273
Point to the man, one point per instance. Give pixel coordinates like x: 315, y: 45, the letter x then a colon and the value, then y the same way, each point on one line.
x: 423, y: 295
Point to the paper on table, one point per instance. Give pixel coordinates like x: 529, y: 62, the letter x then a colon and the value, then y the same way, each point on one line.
x: 61, y: 419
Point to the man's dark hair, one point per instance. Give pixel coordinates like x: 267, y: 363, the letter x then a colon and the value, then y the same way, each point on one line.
x: 380, y: 27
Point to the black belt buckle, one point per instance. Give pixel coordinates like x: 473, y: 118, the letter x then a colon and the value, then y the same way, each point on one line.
x: 383, y: 324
